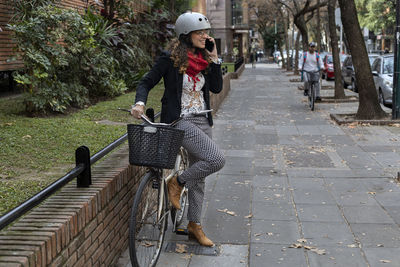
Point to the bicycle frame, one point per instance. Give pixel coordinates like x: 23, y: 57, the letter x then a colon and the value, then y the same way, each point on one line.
x: 163, y: 183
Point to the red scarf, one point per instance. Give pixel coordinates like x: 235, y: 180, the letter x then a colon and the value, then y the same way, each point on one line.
x: 196, y: 65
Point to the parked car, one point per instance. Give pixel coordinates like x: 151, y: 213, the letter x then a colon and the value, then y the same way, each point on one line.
x: 382, y: 70
x: 328, y: 72
x: 348, y: 73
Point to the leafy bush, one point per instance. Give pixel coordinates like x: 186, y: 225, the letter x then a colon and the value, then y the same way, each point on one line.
x: 67, y: 57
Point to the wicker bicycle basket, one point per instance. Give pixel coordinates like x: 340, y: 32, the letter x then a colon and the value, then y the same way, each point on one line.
x: 154, y: 146
x: 313, y: 76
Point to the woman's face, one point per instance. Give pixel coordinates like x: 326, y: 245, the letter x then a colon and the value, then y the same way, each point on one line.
x: 199, y: 38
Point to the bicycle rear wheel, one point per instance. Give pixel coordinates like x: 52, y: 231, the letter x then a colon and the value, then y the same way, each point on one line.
x: 311, y: 96
x: 177, y: 215
x: 146, y: 226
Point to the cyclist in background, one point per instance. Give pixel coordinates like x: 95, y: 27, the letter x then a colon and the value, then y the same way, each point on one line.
x: 190, y: 72
x: 311, y: 62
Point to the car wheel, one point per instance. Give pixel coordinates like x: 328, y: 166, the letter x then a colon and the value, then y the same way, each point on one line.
x: 381, y: 99
x: 353, y: 85
x: 344, y: 83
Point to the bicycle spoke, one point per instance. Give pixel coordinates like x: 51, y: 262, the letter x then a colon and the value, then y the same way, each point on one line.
x: 146, y: 230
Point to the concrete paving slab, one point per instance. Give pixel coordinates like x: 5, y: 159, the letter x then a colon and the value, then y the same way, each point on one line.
x: 272, y: 255
x: 374, y: 235
x: 281, y: 212
x: 270, y: 181
x: 231, y: 255
x: 383, y: 256
x: 274, y: 232
x: 328, y: 234
x: 319, y: 213
x: 355, y: 199
x: 366, y: 214
x: 336, y: 257
x: 303, y: 196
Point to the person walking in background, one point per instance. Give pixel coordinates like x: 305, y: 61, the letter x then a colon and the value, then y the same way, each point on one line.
x: 190, y: 72
x: 311, y: 62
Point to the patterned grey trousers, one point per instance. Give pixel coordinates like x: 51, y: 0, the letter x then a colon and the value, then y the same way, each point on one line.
x: 205, y: 158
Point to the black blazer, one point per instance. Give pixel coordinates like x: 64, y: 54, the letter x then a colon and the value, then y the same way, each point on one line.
x: 173, y: 80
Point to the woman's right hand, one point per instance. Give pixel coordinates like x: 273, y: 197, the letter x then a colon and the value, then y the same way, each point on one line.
x: 137, y: 111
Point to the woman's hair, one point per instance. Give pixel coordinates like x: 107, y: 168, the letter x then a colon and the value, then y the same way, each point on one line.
x: 179, y: 48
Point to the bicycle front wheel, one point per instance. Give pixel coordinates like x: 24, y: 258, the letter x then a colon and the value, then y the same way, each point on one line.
x: 147, y: 224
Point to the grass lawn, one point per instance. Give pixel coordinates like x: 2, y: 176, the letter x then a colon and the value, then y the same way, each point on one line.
x: 37, y: 151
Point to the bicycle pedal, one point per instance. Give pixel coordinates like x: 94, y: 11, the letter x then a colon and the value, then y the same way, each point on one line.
x: 181, y: 231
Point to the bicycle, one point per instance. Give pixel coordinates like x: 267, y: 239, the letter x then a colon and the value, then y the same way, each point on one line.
x: 313, y: 80
x: 149, y: 214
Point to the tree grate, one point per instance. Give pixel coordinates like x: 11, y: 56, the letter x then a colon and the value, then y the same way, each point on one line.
x: 180, y: 247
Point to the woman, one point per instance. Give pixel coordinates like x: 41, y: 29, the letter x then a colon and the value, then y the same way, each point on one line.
x: 190, y: 72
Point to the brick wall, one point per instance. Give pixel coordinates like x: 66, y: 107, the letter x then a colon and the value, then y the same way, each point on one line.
x: 81, y: 226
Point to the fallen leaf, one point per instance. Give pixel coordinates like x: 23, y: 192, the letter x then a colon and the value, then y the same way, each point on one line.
x: 258, y: 254
x: 318, y: 251
x: 258, y: 234
x: 302, y: 240
x: 372, y: 193
x: 385, y: 261
x: 249, y: 216
x: 181, y: 248
x: 232, y: 213
x: 352, y: 246
x: 26, y: 136
x: 296, y: 245
x: 186, y: 257
x: 379, y: 245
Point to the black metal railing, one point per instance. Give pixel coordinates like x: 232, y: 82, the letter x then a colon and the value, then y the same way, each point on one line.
x: 239, y: 63
x: 224, y: 70
x: 81, y: 171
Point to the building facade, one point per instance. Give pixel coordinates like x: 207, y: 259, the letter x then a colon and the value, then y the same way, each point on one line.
x: 230, y: 23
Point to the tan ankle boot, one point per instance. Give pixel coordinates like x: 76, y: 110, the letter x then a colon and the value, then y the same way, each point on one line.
x: 174, y: 192
x: 195, y: 231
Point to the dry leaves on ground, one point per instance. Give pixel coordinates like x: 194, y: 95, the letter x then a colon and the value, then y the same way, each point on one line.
x: 181, y: 248
x: 310, y: 248
x: 232, y: 213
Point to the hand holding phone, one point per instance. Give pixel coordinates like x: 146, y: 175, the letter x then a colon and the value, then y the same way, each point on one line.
x: 209, y: 45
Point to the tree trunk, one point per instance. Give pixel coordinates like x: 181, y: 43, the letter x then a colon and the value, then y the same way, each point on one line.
x: 286, y: 25
x: 318, y: 29
x: 301, y: 25
x: 368, y: 107
x: 339, y: 91
x: 296, y: 60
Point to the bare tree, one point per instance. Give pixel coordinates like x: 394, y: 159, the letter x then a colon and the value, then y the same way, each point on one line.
x: 369, y: 107
x: 299, y: 10
x: 339, y: 91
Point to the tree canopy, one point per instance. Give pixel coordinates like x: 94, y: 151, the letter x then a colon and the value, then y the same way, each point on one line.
x: 377, y: 15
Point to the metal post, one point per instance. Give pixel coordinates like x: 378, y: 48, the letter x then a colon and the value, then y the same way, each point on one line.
x: 275, y: 44
x: 396, y: 76
x: 82, y: 156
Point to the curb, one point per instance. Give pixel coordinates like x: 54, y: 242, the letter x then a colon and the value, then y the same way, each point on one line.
x: 340, y: 120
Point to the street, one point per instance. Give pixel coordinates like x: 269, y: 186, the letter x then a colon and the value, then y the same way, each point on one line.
x: 297, y: 189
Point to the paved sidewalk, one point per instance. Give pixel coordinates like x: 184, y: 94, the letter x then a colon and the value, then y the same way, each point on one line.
x: 295, y: 179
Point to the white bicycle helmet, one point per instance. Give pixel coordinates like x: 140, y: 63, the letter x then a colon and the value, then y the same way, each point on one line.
x: 191, y: 21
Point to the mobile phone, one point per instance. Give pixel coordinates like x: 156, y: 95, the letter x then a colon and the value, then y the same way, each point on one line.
x: 209, y: 45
